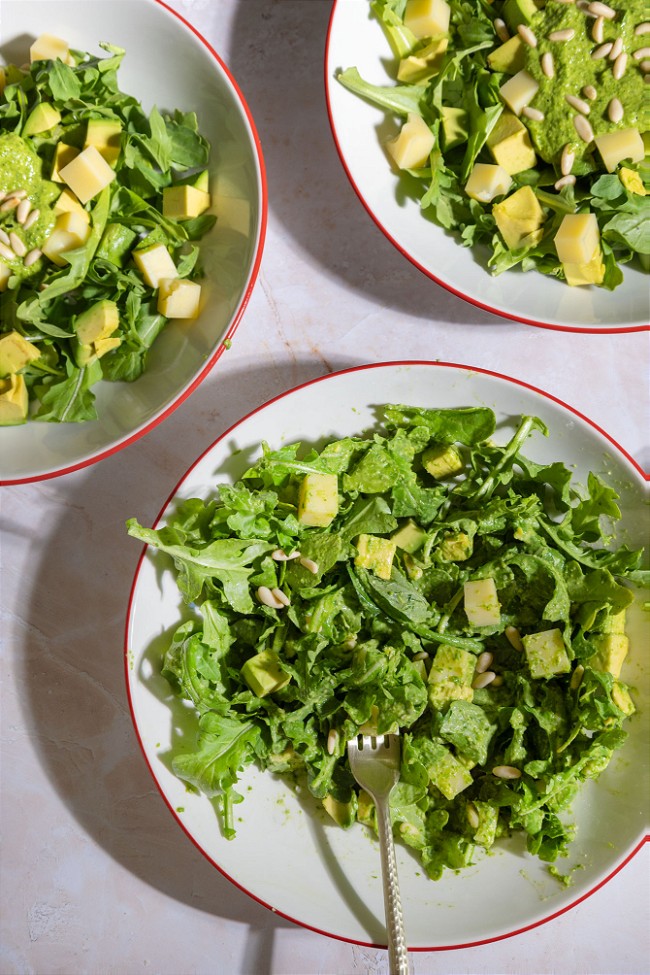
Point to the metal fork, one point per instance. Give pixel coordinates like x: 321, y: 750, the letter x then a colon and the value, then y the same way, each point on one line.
x: 375, y: 764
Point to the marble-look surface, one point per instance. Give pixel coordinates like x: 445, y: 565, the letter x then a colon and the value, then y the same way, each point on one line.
x: 95, y: 875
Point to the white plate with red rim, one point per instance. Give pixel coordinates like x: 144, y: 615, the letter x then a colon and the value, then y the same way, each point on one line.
x: 170, y: 65
x: 356, y: 39
x: 286, y: 854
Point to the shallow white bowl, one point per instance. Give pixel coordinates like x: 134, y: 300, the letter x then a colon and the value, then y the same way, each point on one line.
x: 356, y: 39
x: 285, y: 854
x: 170, y: 65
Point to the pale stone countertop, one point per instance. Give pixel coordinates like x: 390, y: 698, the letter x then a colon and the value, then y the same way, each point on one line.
x: 95, y: 875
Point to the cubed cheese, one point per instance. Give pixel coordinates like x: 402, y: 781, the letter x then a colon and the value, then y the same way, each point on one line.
x: 179, y: 298
x: 487, y: 181
x: 519, y: 91
x: 63, y: 154
x: 519, y: 218
x: 621, y: 144
x: 70, y: 231
x: 578, y: 238
x: 155, y: 263
x: 87, y: 174
x: 426, y: 18
x: 67, y: 202
x: 47, y: 47
x: 591, y: 273
x: 481, y: 602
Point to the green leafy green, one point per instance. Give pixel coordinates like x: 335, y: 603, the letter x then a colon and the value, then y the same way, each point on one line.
x: 360, y: 645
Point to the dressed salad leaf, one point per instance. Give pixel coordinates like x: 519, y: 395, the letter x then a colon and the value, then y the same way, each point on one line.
x: 423, y: 578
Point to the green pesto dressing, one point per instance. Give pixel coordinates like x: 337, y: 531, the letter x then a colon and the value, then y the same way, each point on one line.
x: 574, y: 70
x: 21, y: 168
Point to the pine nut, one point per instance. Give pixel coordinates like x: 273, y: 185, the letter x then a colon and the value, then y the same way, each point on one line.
x: 506, y: 772
x: 8, y: 204
x: 482, y: 680
x: 590, y: 92
x: 576, y: 677
x: 641, y: 54
x: 617, y: 47
x: 310, y: 565
x: 582, y: 127
x: 645, y: 66
x: 583, y: 5
x: 567, y: 160
x: 513, y: 637
x: 484, y: 661
x: 615, y: 110
x: 422, y: 655
x: 281, y: 597
x: 501, y: 30
x: 598, y: 30
x: 267, y: 598
x: 532, y: 113
x: 281, y: 556
x: 562, y: 35
x: 17, y: 245
x: 17, y: 194
x: 7, y: 253
x: 527, y: 35
x: 620, y: 64
x: 22, y: 210
x: 643, y: 28
x: 602, y: 51
x: 31, y: 219
x: 577, y: 103
x: 567, y: 180
x: 472, y: 815
x: 4, y: 236
x: 601, y: 10
x: 548, y: 64
x: 332, y: 741
x: 32, y: 257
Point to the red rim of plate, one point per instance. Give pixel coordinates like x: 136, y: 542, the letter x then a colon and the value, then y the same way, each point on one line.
x: 443, y: 284
x: 223, y: 344
x: 127, y: 669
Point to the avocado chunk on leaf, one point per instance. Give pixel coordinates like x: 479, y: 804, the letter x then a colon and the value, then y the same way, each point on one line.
x: 14, y: 401
x: 442, y: 461
x: 450, y: 676
x: 263, y: 674
x: 375, y: 553
x: 546, y: 653
x: 41, y: 119
x: 16, y: 352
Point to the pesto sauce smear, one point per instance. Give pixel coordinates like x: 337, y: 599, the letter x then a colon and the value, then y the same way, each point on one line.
x: 575, y: 69
x: 21, y: 169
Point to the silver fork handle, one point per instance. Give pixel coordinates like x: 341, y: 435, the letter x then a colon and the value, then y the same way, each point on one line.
x: 398, y: 959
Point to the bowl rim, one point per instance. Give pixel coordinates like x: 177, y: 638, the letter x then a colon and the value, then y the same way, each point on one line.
x: 96, y: 456
x: 499, y: 312
x: 644, y: 833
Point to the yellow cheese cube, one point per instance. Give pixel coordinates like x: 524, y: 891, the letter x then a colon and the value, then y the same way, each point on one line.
x: 510, y: 146
x: 88, y: 174
x: 578, y: 239
x: 179, y: 298
x: 63, y: 154
x: 183, y: 202
x: 616, y: 146
x: 70, y: 231
x: 105, y: 135
x: 481, y: 602
x: 67, y: 202
x: 487, y: 181
x: 47, y: 47
x: 426, y: 18
x: 519, y: 91
x: 411, y: 148
x: 593, y: 272
x: 155, y: 263
x: 425, y: 64
x: 233, y: 214
x: 519, y: 218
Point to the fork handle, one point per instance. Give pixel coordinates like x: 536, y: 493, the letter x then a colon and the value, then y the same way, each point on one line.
x: 398, y: 959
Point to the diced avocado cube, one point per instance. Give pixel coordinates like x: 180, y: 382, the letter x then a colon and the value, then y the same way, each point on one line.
x: 615, y: 622
x: 343, y: 813
x: 318, y: 499
x: 376, y: 554
x: 622, y: 698
x: 63, y: 154
x: 611, y: 651
x: 41, y: 119
x: 14, y: 401
x: 546, y: 653
x: 202, y: 181
x: 410, y: 537
x: 456, y: 547
x: 424, y: 64
x: 16, y: 352
x: 510, y: 57
x: 488, y: 819
x: 450, y: 676
x: 510, y: 146
x: 366, y: 810
x: 516, y: 12
x: 519, y: 218
x: 183, y: 202
x: 442, y: 460
x: 467, y: 727
x: 455, y: 126
x: 105, y: 135
x: 97, y: 322
x: 263, y: 674
x: 448, y: 774
x: 115, y: 245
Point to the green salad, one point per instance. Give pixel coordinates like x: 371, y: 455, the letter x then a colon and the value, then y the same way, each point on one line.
x: 425, y: 579
x: 523, y: 129
x: 102, y: 206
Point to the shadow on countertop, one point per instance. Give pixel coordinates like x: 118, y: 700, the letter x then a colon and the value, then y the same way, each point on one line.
x: 72, y: 664
x: 328, y: 221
